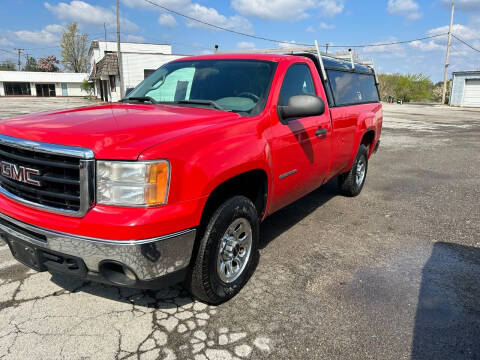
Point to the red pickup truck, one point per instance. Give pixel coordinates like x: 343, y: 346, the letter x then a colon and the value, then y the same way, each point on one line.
x: 171, y: 184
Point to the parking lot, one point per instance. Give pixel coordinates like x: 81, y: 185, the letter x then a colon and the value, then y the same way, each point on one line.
x: 391, y: 274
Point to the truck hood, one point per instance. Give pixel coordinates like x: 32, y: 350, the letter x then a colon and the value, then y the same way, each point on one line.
x: 115, y: 131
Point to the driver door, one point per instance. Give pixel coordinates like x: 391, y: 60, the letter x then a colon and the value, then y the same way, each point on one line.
x: 301, y: 148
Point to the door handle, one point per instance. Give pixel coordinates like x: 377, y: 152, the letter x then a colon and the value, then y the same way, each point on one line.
x: 321, y: 133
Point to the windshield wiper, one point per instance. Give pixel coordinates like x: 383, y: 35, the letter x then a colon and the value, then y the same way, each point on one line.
x: 201, y: 102
x: 141, y: 99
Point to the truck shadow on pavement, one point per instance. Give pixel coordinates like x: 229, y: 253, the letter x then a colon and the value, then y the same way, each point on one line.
x: 284, y: 219
x: 447, y: 322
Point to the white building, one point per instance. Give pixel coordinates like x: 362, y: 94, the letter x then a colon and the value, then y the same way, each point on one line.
x: 138, y: 62
x: 466, y: 89
x: 27, y: 83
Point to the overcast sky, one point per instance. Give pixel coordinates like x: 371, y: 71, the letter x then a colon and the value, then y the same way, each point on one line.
x: 37, y: 25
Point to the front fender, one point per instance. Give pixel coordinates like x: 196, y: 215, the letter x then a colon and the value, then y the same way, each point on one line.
x: 203, y: 161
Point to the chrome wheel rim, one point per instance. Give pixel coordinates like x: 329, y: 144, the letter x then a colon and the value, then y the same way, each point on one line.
x: 361, y: 170
x: 234, y: 250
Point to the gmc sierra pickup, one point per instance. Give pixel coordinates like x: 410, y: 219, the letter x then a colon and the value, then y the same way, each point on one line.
x: 171, y: 184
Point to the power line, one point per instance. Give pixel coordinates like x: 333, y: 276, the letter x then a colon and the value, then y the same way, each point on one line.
x: 465, y: 43
x: 285, y: 42
x: 43, y: 48
x: 220, y: 27
x: 8, y: 51
x: 387, y: 44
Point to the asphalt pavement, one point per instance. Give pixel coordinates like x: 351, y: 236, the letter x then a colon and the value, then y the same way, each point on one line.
x: 391, y: 274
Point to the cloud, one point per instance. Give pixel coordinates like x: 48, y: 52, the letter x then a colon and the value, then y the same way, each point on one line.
x: 407, y: 8
x: 212, y: 16
x: 197, y: 11
x: 245, y: 45
x: 322, y: 26
x: 430, y: 45
x: 326, y: 26
x: 466, y: 33
x: 49, y: 35
x: 274, y: 9
x: 464, y: 5
x: 177, y: 4
x: 5, y: 42
x: 386, y: 51
x: 330, y: 8
x: 133, y: 38
x: 290, y: 10
x: 167, y: 20
x: 462, y: 31
x: 87, y: 14
x: 287, y: 44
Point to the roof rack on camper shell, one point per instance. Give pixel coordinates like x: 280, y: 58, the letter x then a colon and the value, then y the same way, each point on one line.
x: 326, y: 61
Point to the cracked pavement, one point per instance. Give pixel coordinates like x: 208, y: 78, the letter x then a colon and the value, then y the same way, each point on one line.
x: 391, y: 274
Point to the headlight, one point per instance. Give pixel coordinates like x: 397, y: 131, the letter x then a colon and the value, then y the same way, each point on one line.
x: 133, y: 183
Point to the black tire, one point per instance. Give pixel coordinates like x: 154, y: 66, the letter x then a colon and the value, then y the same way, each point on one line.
x: 204, y: 282
x: 347, y: 182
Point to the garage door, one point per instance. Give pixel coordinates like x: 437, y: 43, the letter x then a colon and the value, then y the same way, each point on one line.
x: 472, y: 93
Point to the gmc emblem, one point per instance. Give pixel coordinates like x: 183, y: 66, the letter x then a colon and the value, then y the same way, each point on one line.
x: 19, y: 173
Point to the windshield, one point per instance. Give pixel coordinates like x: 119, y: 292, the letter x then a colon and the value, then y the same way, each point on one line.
x: 231, y: 85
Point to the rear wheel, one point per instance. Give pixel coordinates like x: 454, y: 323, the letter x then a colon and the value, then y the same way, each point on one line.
x: 224, y: 258
x: 351, y: 183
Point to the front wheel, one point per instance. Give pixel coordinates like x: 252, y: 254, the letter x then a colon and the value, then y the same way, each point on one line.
x: 351, y: 183
x: 225, y: 252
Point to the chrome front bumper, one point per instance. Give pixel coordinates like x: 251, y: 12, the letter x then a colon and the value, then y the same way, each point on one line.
x: 149, y: 258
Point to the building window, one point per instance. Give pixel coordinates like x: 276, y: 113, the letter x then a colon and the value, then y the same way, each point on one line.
x: 147, y: 73
x: 113, y: 86
x: 17, y: 88
x: 45, y: 90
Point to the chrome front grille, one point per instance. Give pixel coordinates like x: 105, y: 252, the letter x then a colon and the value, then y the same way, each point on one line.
x: 54, y: 178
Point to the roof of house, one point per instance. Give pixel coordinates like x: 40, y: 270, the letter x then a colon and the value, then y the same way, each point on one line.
x: 112, y: 45
x: 472, y: 72
x: 107, y: 66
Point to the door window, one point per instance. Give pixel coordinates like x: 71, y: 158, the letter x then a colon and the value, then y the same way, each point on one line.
x: 298, y: 81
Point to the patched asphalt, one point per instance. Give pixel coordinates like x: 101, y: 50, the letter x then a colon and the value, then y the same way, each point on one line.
x: 391, y: 274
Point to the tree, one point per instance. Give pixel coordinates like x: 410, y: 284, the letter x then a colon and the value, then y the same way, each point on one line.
x: 410, y: 87
x: 48, y: 64
x: 30, y: 64
x: 87, y: 87
x: 438, y: 92
x: 74, y: 49
x: 7, y: 65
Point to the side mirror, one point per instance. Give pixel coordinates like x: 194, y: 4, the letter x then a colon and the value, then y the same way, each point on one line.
x: 300, y: 106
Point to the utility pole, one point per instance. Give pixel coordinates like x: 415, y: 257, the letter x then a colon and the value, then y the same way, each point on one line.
x: 19, y: 62
x: 327, y: 45
x: 105, y: 29
x: 119, y: 53
x: 447, y: 60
